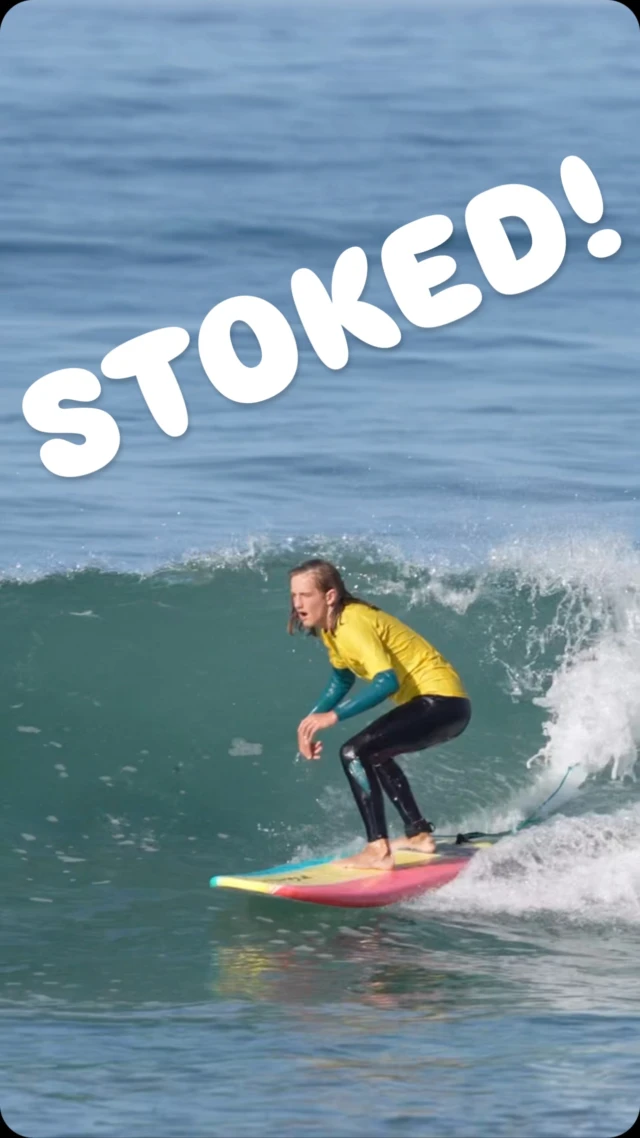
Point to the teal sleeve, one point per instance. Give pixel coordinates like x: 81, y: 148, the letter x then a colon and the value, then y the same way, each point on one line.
x: 381, y: 687
x: 342, y: 680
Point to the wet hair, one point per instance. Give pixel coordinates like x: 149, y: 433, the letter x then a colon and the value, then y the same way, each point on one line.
x: 326, y: 577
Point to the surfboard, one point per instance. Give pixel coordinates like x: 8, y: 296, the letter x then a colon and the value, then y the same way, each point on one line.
x: 325, y: 882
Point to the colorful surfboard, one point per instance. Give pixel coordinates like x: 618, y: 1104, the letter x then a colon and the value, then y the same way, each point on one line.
x: 325, y: 882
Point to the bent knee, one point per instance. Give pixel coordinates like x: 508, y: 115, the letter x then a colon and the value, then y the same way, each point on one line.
x: 354, y: 769
x: 348, y: 753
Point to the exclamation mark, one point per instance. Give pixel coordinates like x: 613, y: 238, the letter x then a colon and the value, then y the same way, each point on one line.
x: 583, y: 193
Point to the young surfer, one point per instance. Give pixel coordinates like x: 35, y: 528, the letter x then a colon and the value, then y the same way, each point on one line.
x: 433, y: 706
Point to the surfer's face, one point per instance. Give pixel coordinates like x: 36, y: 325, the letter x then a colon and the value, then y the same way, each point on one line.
x: 311, y: 604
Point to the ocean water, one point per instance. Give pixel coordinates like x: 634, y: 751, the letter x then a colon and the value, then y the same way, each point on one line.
x: 480, y: 480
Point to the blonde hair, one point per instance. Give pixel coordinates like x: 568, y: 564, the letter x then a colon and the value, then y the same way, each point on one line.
x: 326, y: 577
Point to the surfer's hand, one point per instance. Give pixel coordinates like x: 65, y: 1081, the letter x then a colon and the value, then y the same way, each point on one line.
x: 308, y: 728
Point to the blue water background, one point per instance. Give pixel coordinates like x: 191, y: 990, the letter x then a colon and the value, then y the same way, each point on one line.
x: 160, y: 161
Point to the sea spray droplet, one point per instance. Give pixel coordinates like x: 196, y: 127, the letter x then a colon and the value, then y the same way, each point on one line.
x: 242, y: 747
x: 28, y: 730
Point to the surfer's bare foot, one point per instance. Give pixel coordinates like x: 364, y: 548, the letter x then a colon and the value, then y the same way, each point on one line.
x: 375, y: 855
x: 422, y: 842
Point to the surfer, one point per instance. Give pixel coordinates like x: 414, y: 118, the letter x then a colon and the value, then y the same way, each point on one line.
x: 433, y: 707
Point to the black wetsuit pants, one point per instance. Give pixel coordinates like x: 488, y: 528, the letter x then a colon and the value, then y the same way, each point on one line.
x: 369, y: 758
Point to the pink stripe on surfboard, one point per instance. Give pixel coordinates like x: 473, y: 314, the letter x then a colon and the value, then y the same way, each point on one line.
x: 378, y: 889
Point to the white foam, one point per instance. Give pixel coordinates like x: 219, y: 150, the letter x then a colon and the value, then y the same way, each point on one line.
x: 591, y: 691
x: 583, y: 870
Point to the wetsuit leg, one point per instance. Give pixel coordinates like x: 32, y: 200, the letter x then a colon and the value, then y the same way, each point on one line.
x: 365, y: 786
x: 396, y: 786
x: 369, y: 757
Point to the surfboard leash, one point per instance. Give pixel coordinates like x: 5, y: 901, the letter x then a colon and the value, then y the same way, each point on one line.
x: 532, y: 820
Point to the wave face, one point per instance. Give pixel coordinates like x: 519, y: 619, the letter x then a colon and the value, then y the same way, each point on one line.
x: 151, y: 719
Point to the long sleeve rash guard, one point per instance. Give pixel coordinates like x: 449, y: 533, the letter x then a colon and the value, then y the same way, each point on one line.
x: 342, y: 680
x: 380, y: 688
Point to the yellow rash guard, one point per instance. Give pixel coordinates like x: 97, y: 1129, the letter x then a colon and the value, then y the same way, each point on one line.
x: 369, y: 641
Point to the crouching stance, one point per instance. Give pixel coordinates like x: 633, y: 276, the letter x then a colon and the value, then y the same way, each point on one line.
x: 433, y: 707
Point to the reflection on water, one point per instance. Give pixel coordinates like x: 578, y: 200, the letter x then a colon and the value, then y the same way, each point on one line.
x: 281, y: 976
x: 444, y: 970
